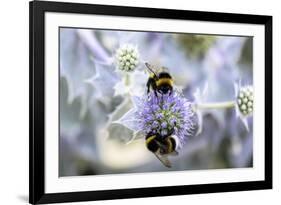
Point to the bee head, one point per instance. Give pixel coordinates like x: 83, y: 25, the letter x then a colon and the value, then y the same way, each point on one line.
x: 164, y: 89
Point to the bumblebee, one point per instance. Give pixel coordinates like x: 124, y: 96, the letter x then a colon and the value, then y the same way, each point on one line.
x: 161, y: 82
x: 162, y: 146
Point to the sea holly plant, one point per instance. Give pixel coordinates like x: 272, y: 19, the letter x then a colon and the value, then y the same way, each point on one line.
x: 243, y: 103
x: 168, y: 113
x: 122, y: 66
x: 127, y: 57
x: 104, y: 73
x: 161, y: 114
x: 127, y: 62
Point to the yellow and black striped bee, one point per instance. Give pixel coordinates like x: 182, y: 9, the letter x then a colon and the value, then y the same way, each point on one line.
x: 162, y: 146
x: 161, y: 82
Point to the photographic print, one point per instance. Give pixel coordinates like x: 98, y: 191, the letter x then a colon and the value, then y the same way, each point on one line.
x: 129, y: 102
x: 139, y: 101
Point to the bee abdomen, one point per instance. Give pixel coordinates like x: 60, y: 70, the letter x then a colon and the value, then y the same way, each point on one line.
x: 175, y: 142
x: 151, y: 143
x: 164, y: 81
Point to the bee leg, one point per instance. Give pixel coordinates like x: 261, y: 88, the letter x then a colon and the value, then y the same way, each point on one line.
x: 155, y: 92
x: 164, y: 159
x: 148, y: 86
x: 171, y: 131
x: 174, y: 153
x: 170, y: 92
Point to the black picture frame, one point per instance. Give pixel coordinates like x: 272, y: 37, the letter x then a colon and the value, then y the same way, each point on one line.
x: 37, y: 194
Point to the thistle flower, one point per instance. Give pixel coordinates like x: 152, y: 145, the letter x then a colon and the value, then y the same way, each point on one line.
x: 244, y: 102
x: 167, y: 114
x: 127, y: 57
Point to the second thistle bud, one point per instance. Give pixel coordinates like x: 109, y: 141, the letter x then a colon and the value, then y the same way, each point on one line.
x: 245, y: 100
x: 127, y: 57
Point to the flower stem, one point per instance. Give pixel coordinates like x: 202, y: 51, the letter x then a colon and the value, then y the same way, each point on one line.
x: 127, y: 79
x: 219, y: 105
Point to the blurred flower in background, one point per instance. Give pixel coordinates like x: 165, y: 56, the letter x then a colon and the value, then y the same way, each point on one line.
x: 195, y: 46
x: 102, y: 84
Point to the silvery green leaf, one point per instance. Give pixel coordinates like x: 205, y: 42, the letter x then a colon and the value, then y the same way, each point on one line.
x: 69, y: 112
x: 120, y: 89
x: 136, y: 136
x: 136, y: 100
x: 128, y: 120
x: 116, y: 129
x: 79, y: 134
x: 122, y: 124
x: 120, y: 133
x: 75, y: 67
x: 133, y: 83
x: 138, y: 85
x: 122, y: 108
x: 103, y: 81
x: 112, y: 141
x: 241, y: 151
x: 97, y: 50
x: 199, y: 96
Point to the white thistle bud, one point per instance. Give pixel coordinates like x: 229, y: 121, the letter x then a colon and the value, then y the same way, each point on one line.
x: 127, y: 57
x: 245, y: 100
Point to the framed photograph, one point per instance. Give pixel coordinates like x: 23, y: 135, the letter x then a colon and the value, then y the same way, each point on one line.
x: 130, y: 102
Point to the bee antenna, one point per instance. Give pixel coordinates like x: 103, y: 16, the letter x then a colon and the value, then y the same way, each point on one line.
x: 150, y: 69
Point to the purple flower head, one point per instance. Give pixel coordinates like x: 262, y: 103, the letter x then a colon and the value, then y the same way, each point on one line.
x: 167, y: 115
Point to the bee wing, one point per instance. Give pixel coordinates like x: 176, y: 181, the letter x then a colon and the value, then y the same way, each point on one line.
x: 178, y: 89
x: 136, y: 136
x: 151, y: 68
x: 164, y: 159
x: 174, y: 153
x: 162, y: 146
x: 165, y: 69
